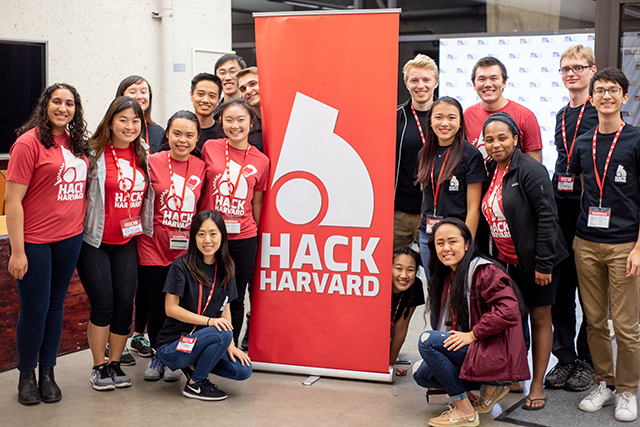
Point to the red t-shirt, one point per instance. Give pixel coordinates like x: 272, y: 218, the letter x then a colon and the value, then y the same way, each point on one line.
x: 494, y: 213
x: 475, y: 116
x: 167, y: 217
x: 116, y: 194
x: 54, y: 203
x: 254, y: 177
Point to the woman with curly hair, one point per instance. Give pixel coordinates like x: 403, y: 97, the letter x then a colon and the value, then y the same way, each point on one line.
x: 48, y: 168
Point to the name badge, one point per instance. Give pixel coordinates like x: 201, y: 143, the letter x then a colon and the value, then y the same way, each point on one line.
x: 186, y: 344
x: 599, y: 217
x: 131, y: 226
x: 431, y: 221
x: 179, y: 241
x: 565, y: 182
x: 233, y: 226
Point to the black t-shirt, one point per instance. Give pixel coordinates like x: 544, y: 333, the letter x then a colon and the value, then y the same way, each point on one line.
x: 213, y: 132
x: 621, y: 191
x: 156, y: 132
x: 408, y: 196
x: 255, y: 135
x: 180, y: 282
x: 412, y: 297
x: 588, y: 123
x: 452, y: 196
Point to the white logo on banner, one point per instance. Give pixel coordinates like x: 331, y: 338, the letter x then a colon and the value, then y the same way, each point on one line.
x: 71, y: 177
x: 311, y: 146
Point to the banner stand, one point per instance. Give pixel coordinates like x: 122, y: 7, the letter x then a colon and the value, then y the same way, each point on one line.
x: 326, y: 372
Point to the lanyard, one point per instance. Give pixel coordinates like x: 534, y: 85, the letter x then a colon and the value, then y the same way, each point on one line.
x: 436, y: 189
x: 415, y: 115
x: 606, y: 164
x: 213, y: 285
x: 235, y: 187
x: 173, y: 185
x: 564, y: 132
x: 146, y: 133
x: 121, y: 175
x: 393, y: 319
x: 492, y: 191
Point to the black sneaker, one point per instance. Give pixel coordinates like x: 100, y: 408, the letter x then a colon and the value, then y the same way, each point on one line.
x: 558, y: 376
x: 582, y: 378
x: 141, y: 345
x: 120, y: 379
x: 204, y: 390
x: 126, y: 359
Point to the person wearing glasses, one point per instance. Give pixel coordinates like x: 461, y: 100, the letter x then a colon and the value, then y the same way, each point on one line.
x: 574, y: 370
x: 606, y: 245
x: 226, y: 68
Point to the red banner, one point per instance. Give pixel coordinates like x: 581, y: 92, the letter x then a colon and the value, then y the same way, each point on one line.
x: 322, y: 283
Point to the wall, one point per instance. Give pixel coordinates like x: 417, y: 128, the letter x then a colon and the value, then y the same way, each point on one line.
x: 94, y: 44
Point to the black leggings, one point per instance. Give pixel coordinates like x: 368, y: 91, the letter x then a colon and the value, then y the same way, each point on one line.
x: 108, y: 274
x: 243, y: 253
x: 151, y: 279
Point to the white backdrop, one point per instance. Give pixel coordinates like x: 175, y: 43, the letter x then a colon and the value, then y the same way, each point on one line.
x: 532, y: 67
x: 631, y: 67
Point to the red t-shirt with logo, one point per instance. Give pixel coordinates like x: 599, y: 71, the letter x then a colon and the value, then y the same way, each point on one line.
x: 494, y: 213
x: 54, y: 203
x: 117, y: 192
x: 254, y: 177
x: 171, y: 213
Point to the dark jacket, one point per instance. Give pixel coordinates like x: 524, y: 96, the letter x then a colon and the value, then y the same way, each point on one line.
x: 410, y: 194
x: 530, y: 209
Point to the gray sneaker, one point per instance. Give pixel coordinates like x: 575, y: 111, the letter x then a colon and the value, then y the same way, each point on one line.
x: 581, y: 378
x: 171, y: 376
x: 101, y: 378
x: 120, y: 379
x: 154, y: 370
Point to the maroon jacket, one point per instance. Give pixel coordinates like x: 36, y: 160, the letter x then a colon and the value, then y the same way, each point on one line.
x: 499, y: 354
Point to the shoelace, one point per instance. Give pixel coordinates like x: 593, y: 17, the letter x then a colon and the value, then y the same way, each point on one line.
x: 624, y: 400
x: 451, y: 409
x: 598, y: 392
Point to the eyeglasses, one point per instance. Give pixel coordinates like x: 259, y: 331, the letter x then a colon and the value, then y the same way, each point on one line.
x: 222, y: 72
x: 613, y: 91
x: 577, y: 69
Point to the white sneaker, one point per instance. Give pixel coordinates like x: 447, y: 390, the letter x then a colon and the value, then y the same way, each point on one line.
x: 601, y: 396
x: 626, y: 407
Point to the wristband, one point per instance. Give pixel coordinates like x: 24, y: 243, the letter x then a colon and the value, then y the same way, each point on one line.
x: 208, y: 319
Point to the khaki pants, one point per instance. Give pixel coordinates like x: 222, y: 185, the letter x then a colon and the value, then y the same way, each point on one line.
x: 406, y: 228
x: 601, y: 270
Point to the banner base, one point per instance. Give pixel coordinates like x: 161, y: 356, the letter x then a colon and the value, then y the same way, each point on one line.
x: 326, y: 372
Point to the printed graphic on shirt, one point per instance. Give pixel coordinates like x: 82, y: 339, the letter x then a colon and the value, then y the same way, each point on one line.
x: 124, y: 185
x: 621, y: 174
x: 71, y: 177
x: 224, y: 189
x: 498, y: 222
x: 454, y: 184
x: 176, y: 212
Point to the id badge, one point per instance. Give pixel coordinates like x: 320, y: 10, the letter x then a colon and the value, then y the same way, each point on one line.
x: 178, y: 241
x: 186, y: 344
x: 233, y: 226
x: 599, y: 217
x: 431, y: 221
x: 566, y: 181
x: 131, y: 226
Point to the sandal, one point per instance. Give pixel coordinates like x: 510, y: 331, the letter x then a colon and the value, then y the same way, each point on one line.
x: 530, y: 407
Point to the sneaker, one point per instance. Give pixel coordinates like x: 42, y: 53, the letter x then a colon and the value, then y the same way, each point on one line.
x: 188, y: 373
x: 558, y: 376
x: 120, y: 379
x: 484, y: 403
x: 601, y: 396
x: 126, y: 359
x: 171, y: 376
x: 626, y: 407
x: 451, y: 418
x: 141, y: 345
x: 101, y: 379
x: 204, y: 390
x: 582, y: 377
x: 155, y: 370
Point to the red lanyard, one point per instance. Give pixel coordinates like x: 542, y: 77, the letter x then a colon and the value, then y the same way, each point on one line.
x: 419, y: 125
x: 173, y: 185
x: 393, y: 318
x: 564, y: 132
x: 235, y: 187
x: 146, y: 133
x: 606, y: 164
x: 121, y: 175
x: 436, y: 189
x: 492, y: 191
x: 213, y: 285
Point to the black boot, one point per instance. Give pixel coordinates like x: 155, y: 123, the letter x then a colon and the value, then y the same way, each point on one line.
x: 49, y: 390
x: 28, y: 393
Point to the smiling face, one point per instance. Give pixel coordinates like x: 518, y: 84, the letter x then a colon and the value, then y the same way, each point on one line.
x: 236, y: 123
x: 421, y: 83
x: 607, y: 104
x: 445, y: 122
x: 182, y: 137
x: 205, y: 97
x: 404, y: 273
x: 61, y: 109
x: 139, y: 92
x: 250, y: 90
x: 125, y: 128
x: 208, y: 240
x: 499, y: 142
x: 450, y: 245
x: 489, y: 84
x: 227, y: 73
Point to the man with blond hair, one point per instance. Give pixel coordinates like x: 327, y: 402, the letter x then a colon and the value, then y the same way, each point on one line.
x: 421, y: 80
x: 250, y: 90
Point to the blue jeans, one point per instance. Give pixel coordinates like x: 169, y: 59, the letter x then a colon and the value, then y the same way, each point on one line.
x: 42, y: 291
x: 424, y: 252
x: 209, y: 355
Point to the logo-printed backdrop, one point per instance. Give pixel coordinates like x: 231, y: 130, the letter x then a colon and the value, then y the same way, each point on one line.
x: 322, y: 283
x: 532, y: 67
x: 631, y: 68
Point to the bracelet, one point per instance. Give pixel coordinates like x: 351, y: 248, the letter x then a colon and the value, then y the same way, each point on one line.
x: 208, y: 319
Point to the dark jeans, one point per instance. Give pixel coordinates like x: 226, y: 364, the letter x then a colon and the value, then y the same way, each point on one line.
x: 151, y: 279
x: 109, y: 275
x: 243, y: 252
x: 42, y: 291
x: 209, y: 355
